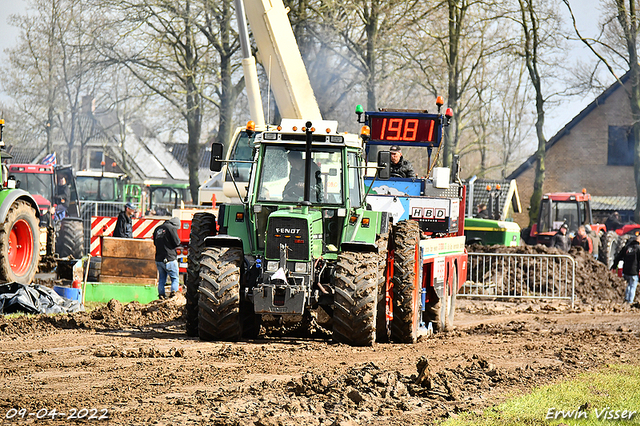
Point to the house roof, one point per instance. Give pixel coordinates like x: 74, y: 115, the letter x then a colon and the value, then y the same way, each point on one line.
x: 612, y: 203
x: 570, y: 125
x: 23, y: 155
x: 179, y: 151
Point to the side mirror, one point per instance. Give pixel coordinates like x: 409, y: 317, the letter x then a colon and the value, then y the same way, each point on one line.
x: 217, y: 150
x: 384, y: 164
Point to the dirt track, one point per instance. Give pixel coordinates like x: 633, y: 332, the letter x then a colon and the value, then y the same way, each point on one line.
x: 136, y: 363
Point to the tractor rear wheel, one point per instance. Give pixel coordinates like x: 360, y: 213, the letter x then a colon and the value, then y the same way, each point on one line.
x: 20, y: 244
x: 70, y: 238
x: 356, y: 287
x: 406, y: 288
x: 219, y: 294
x: 202, y: 225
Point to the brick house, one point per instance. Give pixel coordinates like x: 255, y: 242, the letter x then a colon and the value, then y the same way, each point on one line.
x: 593, y: 151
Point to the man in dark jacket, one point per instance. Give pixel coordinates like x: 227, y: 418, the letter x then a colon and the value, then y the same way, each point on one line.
x: 561, y: 240
x: 400, y: 167
x: 124, y: 225
x: 166, y: 240
x: 483, y: 212
x: 613, y: 222
x: 630, y: 256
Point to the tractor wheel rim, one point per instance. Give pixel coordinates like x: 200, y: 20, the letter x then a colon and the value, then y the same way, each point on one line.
x: 20, y: 247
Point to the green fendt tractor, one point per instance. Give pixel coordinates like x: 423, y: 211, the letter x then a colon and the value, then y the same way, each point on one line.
x: 316, y: 239
x: 19, y: 230
x: 296, y: 246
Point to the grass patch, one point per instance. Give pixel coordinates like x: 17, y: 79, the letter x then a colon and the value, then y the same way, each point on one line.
x: 605, y: 391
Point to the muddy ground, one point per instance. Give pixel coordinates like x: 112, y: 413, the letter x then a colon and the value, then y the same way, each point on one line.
x: 135, y: 364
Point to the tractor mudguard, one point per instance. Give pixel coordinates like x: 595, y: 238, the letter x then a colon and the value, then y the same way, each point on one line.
x: 223, y: 241
x: 7, y: 198
x: 359, y: 247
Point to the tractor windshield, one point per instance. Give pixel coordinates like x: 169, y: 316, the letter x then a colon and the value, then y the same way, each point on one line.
x: 96, y: 188
x: 35, y: 183
x: 282, y: 175
x: 555, y: 213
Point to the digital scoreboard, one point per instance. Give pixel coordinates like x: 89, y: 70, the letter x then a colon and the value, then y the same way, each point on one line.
x: 405, y: 128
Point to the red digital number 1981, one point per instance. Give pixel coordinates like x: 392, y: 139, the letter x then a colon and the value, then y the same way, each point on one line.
x: 400, y: 129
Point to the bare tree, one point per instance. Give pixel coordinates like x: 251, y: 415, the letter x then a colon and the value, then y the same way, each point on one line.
x: 50, y: 69
x: 367, y: 28
x: 540, y: 29
x: 162, y: 47
x: 447, y: 45
x: 217, y: 28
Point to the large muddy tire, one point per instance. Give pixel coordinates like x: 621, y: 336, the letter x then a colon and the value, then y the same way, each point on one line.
x: 219, y: 294
x: 406, y: 288
x: 383, y: 325
x: 606, y: 249
x: 70, y: 239
x: 612, y: 243
x: 356, y: 291
x: 202, y: 225
x: 19, y: 244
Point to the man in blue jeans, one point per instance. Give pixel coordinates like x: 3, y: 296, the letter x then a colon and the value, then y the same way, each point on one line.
x: 630, y: 256
x: 166, y: 240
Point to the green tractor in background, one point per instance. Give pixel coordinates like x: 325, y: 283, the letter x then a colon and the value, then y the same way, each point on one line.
x: 19, y: 229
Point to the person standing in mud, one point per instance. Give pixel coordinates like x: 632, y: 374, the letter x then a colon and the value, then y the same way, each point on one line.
x: 630, y: 256
x: 166, y: 240
x: 595, y: 239
x: 561, y: 240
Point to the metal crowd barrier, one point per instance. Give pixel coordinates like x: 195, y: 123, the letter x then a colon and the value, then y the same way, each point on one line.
x: 525, y: 276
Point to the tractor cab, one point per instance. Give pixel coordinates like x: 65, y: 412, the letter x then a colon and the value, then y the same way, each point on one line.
x: 50, y: 185
x: 572, y: 208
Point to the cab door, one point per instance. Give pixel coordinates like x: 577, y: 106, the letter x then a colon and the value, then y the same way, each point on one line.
x: 74, y: 204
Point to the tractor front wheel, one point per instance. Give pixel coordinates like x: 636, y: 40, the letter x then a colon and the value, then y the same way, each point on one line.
x: 221, y: 315
x: 202, y: 225
x: 356, y: 287
x: 19, y: 244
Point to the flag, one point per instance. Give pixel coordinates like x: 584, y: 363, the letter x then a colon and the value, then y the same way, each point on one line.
x: 49, y: 159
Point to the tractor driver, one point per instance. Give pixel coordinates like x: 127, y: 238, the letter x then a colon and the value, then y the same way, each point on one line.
x: 294, y: 189
x: 399, y: 166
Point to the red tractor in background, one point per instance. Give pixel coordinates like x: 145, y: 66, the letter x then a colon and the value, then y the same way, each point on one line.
x: 572, y: 208
x: 50, y: 186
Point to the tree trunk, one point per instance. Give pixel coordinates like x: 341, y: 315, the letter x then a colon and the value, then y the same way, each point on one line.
x: 456, y: 11
x: 227, y: 89
x: 371, y: 54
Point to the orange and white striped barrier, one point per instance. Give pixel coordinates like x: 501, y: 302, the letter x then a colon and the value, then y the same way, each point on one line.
x: 104, y: 226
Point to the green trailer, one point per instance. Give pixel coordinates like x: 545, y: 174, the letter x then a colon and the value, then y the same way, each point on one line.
x: 491, y: 232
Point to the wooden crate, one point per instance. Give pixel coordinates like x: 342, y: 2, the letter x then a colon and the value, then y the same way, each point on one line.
x: 128, y: 260
x: 128, y: 248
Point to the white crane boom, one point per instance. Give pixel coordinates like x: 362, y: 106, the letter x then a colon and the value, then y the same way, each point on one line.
x: 277, y: 45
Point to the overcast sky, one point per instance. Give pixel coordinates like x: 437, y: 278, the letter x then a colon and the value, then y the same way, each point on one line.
x: 586, y: 12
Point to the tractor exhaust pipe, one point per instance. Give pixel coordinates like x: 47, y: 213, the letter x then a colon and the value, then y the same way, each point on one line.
x: 307, y: 165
